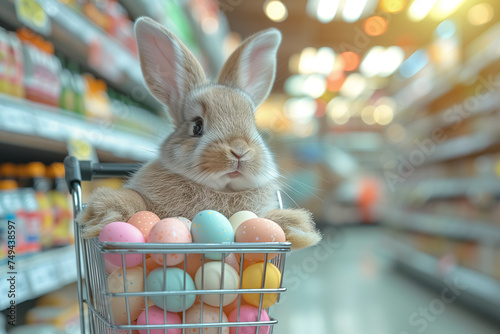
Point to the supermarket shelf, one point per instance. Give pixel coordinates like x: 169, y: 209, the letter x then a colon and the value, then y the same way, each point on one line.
x: 472, y: 286
x: 408, y: 99
x: 464, y: 146
x: 454, y: 187
x: 446, y: 226
x: 38, y: 274
x: 38, y: 124
x: 73, y: 34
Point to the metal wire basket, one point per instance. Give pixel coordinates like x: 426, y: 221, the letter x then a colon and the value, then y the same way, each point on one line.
x: 100, y: 303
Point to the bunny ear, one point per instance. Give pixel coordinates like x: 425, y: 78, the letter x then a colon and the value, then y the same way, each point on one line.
x: 169, y: 68
x: 252, y: 66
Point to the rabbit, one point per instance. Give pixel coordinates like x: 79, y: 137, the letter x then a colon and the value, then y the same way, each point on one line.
x: 215, y: 158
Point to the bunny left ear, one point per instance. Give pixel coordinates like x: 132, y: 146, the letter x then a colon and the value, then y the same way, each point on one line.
x: 252, y: 66
x: 170, y: 70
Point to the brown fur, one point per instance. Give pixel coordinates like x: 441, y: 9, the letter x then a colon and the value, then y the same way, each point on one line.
x: 191, y: 173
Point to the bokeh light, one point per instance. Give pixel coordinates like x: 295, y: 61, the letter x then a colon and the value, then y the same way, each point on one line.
x: 383, y: 114
x: 420, y: 8
x: 338, y: 110
x: 351, y: 60
x: 396, y: 133
x: 480, y: 14
x: 367, y: 115
x: 444, y: 8
x: 375, y: 26
x: 275, y: 10
x: 392, y: 6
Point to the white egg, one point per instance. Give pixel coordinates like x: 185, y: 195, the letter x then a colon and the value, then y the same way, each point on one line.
x: 239, y: 217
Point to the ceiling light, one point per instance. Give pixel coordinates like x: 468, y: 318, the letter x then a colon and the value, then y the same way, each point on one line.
x: 420, y: 8
x: 325, y: 59
x: 300, y: 110
x: 275, y: 10
x: 392, y: 6
x: 380, y: 61
x: 307, y: 62
x: 353, y: 86
x: 314, y: 86
x: 323, y: 10
x: 445, y: 8
x: 353, y: 10
x: 480, y: 14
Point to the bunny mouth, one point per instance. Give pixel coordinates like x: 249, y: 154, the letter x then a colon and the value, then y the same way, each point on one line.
x: 234, y: 174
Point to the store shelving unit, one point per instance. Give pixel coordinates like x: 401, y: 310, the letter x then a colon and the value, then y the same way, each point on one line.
x: 38, y: 274
x: 472, y: 286
x: 31, y: 124
x: 441, y: 225
x: 442, y: 215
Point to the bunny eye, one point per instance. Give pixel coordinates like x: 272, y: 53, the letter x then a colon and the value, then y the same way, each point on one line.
x: 198, y: 127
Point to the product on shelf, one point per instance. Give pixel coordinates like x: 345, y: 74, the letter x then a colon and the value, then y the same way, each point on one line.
x: 42, y: 71
x: 11, y: 65
x: 61, y: 206
x: 35, y: 198
x: 97, y: 103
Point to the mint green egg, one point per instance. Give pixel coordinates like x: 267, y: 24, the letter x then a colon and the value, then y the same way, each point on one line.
x: 174, y: 281
x: 210, y: 226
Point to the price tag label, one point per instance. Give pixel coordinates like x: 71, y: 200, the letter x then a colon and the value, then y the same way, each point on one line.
x: 43, y: 278
x: 67, y: 268
x: 81, y: 149
x: 32, y: 14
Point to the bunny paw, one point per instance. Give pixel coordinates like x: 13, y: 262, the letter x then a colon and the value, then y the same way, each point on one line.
x: 298, y: 226
x: 108, y: 205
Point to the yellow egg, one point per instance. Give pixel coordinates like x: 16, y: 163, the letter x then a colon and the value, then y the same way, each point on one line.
x: 252, y: 279
x: 134, y: 283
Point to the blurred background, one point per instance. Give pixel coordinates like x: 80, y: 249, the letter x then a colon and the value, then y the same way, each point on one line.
x: 384, y: 120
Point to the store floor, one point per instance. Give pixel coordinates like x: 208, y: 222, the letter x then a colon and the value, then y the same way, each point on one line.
x: 347, y: 286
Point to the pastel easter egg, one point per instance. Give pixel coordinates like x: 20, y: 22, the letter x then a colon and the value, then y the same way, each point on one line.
x: 169, y: 230
x: 156, y: 316
x: 210, y: 226
x: 249, y: 314
x: 193, y: 263
x: 239, y: 217
x: 185, y: 221
x: 259, y: 230
x: 134, y: 283
x: 174, y: 282
x: 212, y: 275
x: 210, y: 315
x: 121, y: 232
x: 252, y: 279
x: 144, y: 221
x: 110, y: 267
x: 234, y: 305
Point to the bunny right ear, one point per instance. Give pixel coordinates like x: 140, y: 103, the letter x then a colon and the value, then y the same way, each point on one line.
x: 252, y: 66
x: 169, y: 68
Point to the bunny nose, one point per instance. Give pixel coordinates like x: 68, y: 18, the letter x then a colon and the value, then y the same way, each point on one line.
x: 237, y: 155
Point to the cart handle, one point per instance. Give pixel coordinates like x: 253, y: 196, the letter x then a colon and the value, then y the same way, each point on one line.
x: 78, y: 171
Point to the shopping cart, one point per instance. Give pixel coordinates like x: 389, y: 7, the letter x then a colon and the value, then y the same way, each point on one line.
x: 96, y: 299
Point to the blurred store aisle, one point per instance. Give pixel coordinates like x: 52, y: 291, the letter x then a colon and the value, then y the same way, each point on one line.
x: 355, y: 290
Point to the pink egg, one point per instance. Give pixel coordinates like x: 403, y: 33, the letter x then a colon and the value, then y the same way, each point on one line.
x: 156, y: 316
x: 169, y: 230
x: 121, y: 232
x: 144, y: 221
x: 210, y: 315
x: 247, y: 314
x: 259, y: 230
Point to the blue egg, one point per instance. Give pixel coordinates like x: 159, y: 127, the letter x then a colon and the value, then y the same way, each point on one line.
x: 210, y: 226
x: 174, y: 281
